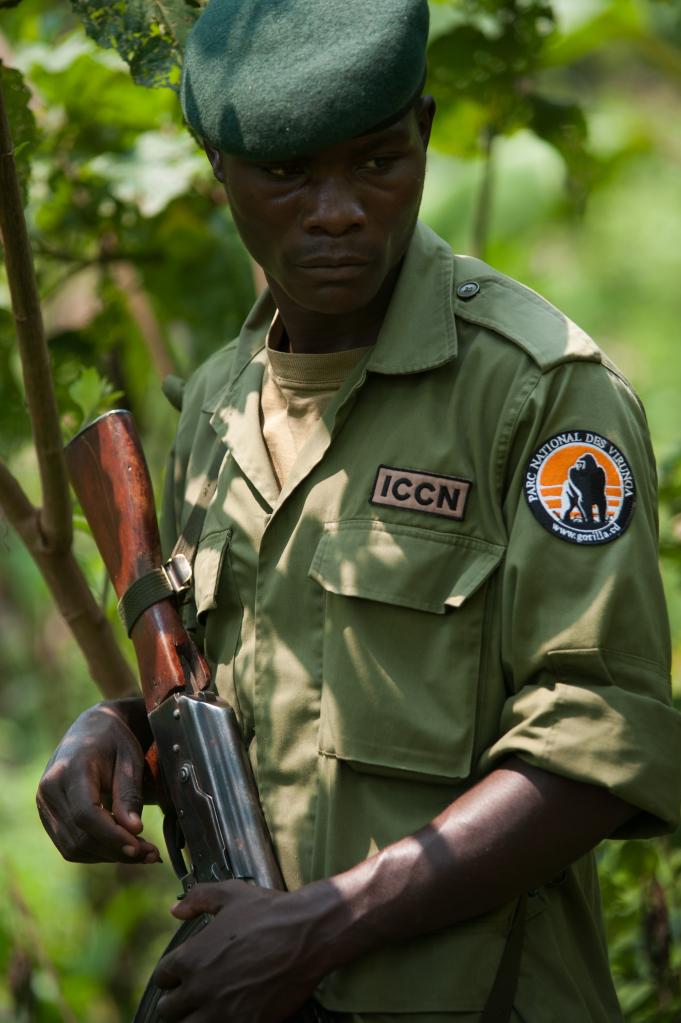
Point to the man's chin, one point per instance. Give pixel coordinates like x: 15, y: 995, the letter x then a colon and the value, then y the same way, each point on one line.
x: 338, y: 292
x: 333, y: 303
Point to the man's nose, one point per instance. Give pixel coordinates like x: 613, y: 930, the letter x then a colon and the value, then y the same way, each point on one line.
x: 332, y: 207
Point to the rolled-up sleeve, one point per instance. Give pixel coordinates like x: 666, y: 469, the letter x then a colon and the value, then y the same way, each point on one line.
x: 585, y: 636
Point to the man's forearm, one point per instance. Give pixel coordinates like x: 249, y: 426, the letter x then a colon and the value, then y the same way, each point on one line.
x: 513, y: 831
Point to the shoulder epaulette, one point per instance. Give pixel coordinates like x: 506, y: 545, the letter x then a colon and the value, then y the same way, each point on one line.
x: 173, y: 388
x: 488, y: 298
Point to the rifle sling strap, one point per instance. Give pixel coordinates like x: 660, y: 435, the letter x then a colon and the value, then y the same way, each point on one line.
x: 188, y: 540
x: 499, y: 1005
x: 146, y: 590
x: 175, y: 577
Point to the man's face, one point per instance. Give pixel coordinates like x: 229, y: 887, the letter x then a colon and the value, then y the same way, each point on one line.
x: 328, y: 228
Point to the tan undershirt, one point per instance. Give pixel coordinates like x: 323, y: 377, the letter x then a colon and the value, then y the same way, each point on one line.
x: 296, y: 391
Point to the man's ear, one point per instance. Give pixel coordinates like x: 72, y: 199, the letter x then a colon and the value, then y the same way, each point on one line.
x: 215, y: 158
x: 425, y: 114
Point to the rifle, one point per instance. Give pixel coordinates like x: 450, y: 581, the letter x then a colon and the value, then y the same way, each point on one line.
x: 198, y: 759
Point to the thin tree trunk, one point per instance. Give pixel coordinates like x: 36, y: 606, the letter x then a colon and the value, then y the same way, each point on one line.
x: 47, y: 532
x: 483, y: 208
x: 55, y: 524
x: 127, y: 279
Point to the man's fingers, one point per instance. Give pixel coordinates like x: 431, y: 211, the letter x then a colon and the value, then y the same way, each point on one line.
x: 202, y: 898
x: 126, y: 803
x: 83, y: 832
x: 103, y: 831
x: 176, y: 1005
x: 168, y: 973
x: 81, y: 845
x: 100, y: 826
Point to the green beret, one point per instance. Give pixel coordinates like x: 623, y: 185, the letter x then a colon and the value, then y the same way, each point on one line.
x: 272, y: 79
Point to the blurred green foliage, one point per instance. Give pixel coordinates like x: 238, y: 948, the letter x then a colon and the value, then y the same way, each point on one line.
x: 148, y: 34
x: 556, y: 154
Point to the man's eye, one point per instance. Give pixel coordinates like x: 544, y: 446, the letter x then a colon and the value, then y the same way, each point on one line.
x: 283, y: 171
x: 379, y: 163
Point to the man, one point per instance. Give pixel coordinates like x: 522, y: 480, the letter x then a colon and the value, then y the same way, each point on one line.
x: 449, y: 694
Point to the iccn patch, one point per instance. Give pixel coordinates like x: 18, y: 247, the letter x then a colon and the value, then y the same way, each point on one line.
x: 580, y: 487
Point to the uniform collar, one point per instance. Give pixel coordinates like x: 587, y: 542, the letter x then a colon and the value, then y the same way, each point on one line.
x: 419, y: 330
x: 253, y: 336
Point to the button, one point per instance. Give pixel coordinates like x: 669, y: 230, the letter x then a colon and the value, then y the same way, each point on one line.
x: 468, y: 289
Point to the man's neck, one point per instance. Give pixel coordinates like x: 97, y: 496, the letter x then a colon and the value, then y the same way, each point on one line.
x: 311, y: 332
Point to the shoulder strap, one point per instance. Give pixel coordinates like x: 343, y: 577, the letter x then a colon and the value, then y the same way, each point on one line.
x: 188, y: 540
x: 499, y: 1005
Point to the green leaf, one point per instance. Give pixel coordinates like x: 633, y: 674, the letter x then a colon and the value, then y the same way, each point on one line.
x: 148, y: 34
x: 92, y: 393
x: 21, y: 122
x: 488, y: 63
x: 103, y: 110
x: 81, y: 523
x: 620, y: 20
x: 563, y: 125
x: 634, y: 994
x: 178, y: 16
x: 159, y: 167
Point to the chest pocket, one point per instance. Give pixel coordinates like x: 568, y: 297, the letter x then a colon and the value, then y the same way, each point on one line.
x: 404, y: 613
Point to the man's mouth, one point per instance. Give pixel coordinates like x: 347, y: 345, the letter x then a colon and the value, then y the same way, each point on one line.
x: 332, y: 262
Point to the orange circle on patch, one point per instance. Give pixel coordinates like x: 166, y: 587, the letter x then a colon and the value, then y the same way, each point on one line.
x: 580, y: 487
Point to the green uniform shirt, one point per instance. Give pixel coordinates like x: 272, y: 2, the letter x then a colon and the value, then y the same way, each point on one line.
x: 429, y: 594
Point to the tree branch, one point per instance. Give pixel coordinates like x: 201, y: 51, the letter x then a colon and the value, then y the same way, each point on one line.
x: 67, y: 584
x: 483, y: 207
x: 16, y: 506
x: 62, y: 256
x: 127, y: 279
x: 55, y: 516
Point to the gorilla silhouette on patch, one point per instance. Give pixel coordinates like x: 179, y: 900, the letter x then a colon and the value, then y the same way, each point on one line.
x: 584, y: 488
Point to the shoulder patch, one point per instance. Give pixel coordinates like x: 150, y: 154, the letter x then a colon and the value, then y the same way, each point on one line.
x: 579, y: 486
x: 519, y: 314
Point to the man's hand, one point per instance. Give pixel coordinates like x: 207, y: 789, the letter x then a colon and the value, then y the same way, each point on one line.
x: 90, y: 796
x: 265, y: 952
x: 258, y: 961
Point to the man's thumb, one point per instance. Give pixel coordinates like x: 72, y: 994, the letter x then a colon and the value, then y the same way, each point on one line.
x: 126, y: 802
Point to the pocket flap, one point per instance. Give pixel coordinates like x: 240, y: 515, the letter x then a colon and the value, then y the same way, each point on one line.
x: 210, y: 555
x: 403, y: 565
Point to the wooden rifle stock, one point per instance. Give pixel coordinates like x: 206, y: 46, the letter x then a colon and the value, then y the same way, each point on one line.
x: 109, y: 475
